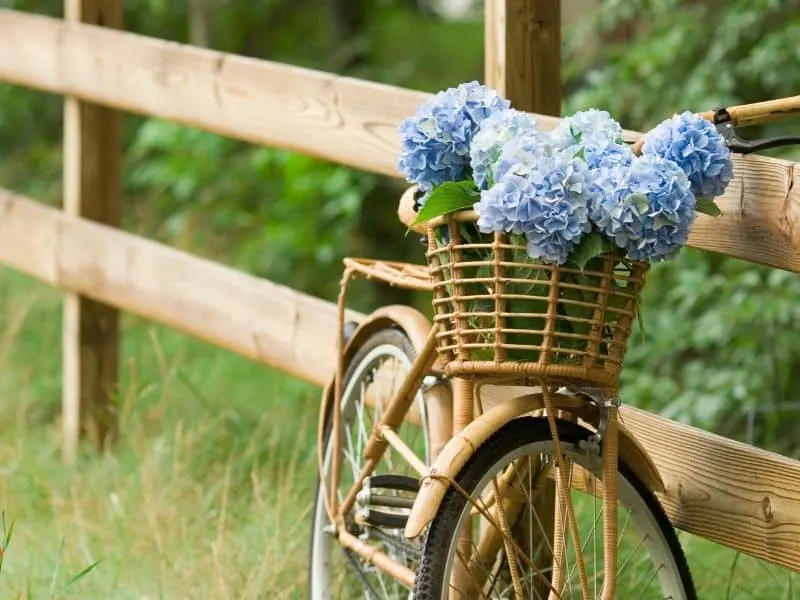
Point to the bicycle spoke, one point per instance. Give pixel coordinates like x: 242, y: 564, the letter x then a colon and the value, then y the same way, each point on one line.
x: 652, y: 577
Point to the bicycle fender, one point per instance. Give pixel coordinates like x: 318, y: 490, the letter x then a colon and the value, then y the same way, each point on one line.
x: 461, y: 447
x: 411, y: 321
x: 416, y: 326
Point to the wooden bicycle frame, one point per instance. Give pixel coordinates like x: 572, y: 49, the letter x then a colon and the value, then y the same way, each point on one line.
x: 384, y: 436
x: 469, y: 433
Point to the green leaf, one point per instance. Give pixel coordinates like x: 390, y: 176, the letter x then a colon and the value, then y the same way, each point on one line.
x: 707, y: 207
x: 451, y: 196
x: 593, y: 244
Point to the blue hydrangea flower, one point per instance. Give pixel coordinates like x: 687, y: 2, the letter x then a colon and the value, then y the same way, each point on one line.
x: 647, y: 210
x: 499, y: 207
x: 493, y: 133
x: 605, y: 182
x: 522, y: 154
x: 592, y: 124
x: 695, y: 146
x: 594, y: 135
x: 548, y: 205
x: 612, y: 156
x: 436, y: 140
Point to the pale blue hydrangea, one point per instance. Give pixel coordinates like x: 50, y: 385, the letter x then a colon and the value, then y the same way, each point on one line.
x: 499, y: 207
x: 604, y: 182
x: 613, y: 156
x: 522, y: 154
x: 493, y: 133
x: 647, y: 209
x: 588, y: 124
x: 593, y: 135
x: 695, y: 146
x: 436, y: 140
x: 547, y: 204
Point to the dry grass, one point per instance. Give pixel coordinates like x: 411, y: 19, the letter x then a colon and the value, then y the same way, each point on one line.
x: 207, y: 496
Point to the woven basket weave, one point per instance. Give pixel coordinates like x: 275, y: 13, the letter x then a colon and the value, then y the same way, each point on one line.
x: 504, y: 315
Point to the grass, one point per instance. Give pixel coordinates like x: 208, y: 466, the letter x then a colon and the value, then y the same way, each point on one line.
x: 208, y: 494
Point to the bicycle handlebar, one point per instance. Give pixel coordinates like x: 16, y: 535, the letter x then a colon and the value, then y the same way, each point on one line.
x: 745, y: 115
x: 756, y: 113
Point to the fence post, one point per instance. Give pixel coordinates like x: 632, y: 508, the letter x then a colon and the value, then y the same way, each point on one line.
x: 522, y: 54
x: 92, y: 189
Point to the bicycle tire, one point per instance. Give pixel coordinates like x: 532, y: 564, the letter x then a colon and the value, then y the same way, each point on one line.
x: 519, y: 433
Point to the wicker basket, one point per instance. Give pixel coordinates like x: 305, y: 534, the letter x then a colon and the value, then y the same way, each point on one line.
x: 503, y: 315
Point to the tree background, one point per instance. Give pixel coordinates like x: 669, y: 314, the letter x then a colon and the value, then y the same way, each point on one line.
x: 718, y: 340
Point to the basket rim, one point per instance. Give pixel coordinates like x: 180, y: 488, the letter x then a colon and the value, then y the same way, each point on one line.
x: 460, y: 216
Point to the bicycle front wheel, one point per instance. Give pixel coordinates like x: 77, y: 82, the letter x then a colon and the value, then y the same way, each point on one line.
x: 465, y: 556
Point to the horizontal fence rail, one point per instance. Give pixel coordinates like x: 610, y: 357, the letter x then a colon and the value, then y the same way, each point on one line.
x: 739, y: 496
x: 731, y: 493
x: 346, y: 120
x: 254, y: 317
x: 728, y: 492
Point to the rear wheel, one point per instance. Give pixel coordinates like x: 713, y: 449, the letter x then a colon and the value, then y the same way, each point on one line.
x: 370, y: 381
x: 463, y: 555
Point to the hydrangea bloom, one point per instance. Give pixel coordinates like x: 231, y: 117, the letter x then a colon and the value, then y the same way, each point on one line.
x: 605, y: 182
x: 548, y: 205
x: 695, y: 146
x: 649, y: 210
x: 522, y: 154
x: 593, y: 134
x: 498, y: 207
x: 614, y: 155
x: 436, y: 140
x: 493, y: 133
x: 593, y: 124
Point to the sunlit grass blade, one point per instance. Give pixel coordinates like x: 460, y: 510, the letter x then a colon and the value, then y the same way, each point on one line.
x: 56, y: 570
x: 6, y: 532
x: 80, y: 575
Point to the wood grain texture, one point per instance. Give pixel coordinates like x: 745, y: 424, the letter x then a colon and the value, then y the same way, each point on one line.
x: 341, y: 119
x: 723, y: 490
x: 522, y: 53
x: 253, y: 317
x: 92, y: 189
x: 346, y: 120
x: 734, y: 494
x: 522, y: 61
x: 761, y: 215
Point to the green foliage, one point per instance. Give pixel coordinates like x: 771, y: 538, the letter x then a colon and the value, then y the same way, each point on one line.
x: 591, y: 246
x: 669, y: 55
x: 719, y: 332
x: 720, y: 339
x: 279, y: 214
x: 6, y: 533
x: 719, y: 336
x: 708, y: 207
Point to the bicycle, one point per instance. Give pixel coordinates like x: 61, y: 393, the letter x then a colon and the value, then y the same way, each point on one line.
x: 429, y: 440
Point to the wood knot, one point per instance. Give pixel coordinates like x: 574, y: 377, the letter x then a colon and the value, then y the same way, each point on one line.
x: 766, y: 507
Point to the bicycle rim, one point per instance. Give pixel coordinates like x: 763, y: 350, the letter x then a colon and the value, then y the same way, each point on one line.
x: 335, y: 572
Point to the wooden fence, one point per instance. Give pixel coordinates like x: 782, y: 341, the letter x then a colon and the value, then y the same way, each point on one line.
x: 728, y: 492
